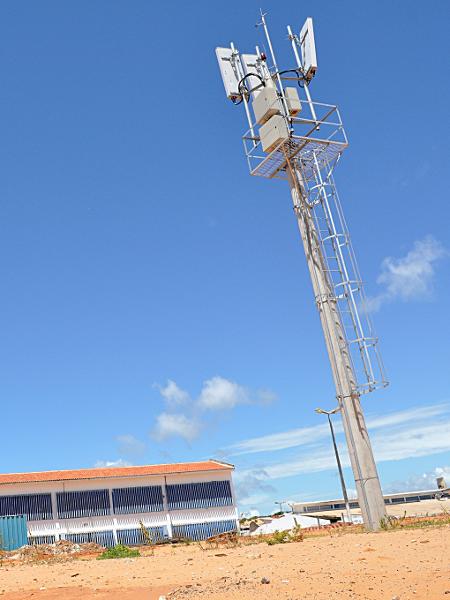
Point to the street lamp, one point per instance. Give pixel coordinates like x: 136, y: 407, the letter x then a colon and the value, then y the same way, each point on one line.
x: 320, y: 411
x: 281, y: 505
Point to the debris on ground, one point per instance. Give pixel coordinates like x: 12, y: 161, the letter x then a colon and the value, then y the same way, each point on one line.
x: 62, y: 549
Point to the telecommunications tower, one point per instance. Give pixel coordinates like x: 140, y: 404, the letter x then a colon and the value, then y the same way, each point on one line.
x: 291, y: 137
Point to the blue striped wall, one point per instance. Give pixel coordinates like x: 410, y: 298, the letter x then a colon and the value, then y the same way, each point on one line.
x: 137, y: 499
x: 13, y: 532
x: 91, y: 503
x: 199, y: 495
x: 104, y: 538
x: 36, y: 507
x: 36, y: 540
x: 135, y: 537
x: 202, y: 531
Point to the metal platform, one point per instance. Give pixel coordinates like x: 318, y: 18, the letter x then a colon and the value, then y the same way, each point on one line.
x: 274, y: 164
x: 322, y: 139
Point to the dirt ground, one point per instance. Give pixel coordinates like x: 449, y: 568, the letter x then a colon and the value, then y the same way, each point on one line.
x: 407, y: 564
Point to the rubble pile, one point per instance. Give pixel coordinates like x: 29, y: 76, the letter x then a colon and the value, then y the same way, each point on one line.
x: 61, y: 549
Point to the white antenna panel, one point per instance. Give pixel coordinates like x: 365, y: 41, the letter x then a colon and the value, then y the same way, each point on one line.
x: 250, y: 64
x: 308, y: 47
x: 228, y: 70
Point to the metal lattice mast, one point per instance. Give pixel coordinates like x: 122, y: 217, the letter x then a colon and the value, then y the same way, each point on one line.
x: 305, y: 150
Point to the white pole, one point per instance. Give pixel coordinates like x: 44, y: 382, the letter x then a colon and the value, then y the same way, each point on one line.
x: 274, y: 61
x: 241, y: 74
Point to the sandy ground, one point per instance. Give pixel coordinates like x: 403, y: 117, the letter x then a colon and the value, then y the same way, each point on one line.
x: 408, y: 564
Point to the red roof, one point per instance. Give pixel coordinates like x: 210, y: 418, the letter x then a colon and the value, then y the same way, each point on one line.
x: 106, y: 472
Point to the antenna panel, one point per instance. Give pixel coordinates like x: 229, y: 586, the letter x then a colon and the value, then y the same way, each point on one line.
x: 229, y: 71
x: 308, y: 47
x: 250, y: 64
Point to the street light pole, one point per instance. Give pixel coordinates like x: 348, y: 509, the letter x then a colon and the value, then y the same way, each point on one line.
x: 338, y: 460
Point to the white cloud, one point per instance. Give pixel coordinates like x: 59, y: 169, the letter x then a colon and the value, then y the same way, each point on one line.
x: 254, y: 500
x: 174, y: 395
x: 422, y: 481
x: 248, y: 514
x: 265, y: 397
x: 410, y: 277
x: 176, y: 424
x: 252, y: 487
x: 280, y: 441
x: 128, y: 444
x: 185, y: 417
x: 417, y: 413
x: 393, y: 444
x: 101, y: 464
x: 307, y: 435
x: 219, y: 393
x: 312, y: 462
x: 422, y: 440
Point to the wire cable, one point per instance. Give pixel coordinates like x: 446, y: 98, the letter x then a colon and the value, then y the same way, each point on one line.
x: 299, y: 74
x: 242, y: 87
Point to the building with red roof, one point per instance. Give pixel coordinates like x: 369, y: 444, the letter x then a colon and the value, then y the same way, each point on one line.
x: 108, y: 505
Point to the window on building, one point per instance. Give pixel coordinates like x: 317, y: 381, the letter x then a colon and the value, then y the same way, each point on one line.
x: 103, y: 538
x: 135, y: 537
x: 202, y: 531
x: 317, y: 507
x: 36, y: 507
x: 199, y: 495
x: 82, y: 504
x: 137, y: 499
x: 37, y: 540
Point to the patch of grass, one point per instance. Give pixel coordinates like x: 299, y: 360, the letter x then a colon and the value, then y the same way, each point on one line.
x: 297, y: 535
x: 119, y: 551
x: 393, y: 523
x: 278, y: 537
x: 283, y: 537
x: 425, y: 523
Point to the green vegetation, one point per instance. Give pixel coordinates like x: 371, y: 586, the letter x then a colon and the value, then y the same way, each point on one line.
x: 284, y: 537
x: 278, y: 537
x: 148, y: 540
x: 119, y: 551
x: 395, y: 523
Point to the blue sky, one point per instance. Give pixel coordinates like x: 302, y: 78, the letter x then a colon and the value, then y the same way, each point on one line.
x: 155, y: 301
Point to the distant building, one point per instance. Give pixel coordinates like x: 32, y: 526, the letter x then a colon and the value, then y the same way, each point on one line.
x: 186, y: 500
x: 428, y: 502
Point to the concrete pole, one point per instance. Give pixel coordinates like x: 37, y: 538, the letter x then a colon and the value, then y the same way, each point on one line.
x: 368, y: 487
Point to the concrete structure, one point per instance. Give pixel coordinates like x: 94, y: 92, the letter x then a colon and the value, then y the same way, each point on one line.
x: 410, y: 504
x: 187, y: 500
